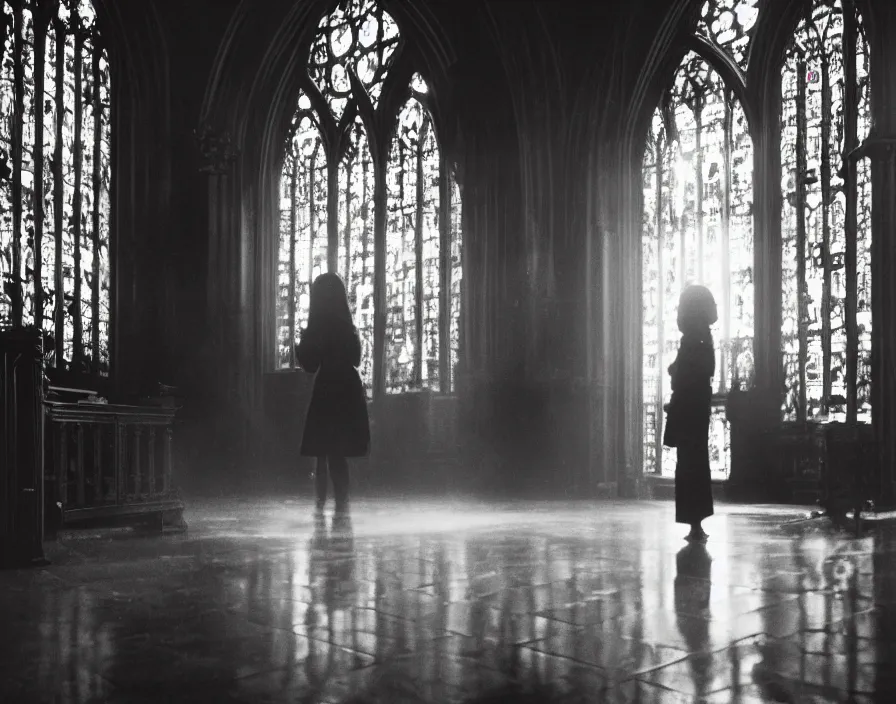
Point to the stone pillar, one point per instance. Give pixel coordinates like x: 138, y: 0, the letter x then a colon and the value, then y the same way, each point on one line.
x: 882, y: 151
x: 224, y: 361
x: 755, y: 411
x: 880, y: 147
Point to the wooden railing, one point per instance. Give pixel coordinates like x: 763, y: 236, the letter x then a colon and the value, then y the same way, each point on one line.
x: 104, y: 461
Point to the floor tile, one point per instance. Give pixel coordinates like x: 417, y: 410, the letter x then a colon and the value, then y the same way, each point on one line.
x: 455, y: 601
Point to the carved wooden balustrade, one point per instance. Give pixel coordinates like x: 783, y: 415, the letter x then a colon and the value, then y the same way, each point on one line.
x: 105, y: 461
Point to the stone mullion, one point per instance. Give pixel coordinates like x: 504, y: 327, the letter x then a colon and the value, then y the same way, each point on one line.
x: 58, y: 194
x: 293, y: 233
x: 96, y: 183
x: 16, y: 135
x: 767, y: 254
x: 332, y: 213
x: 419, y: 196
x: 380, y: 203
x: 41, y: 27
x: 851, y: 214
x: 77, y: 197
x: 445, y: 241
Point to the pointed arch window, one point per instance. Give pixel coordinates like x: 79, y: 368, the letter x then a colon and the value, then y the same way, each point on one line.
x: 729, y: 25
x: 697, y: 228
x: 356, y: 261
x: 826, y: 218
x: 379, y: 206
x: 55, y: 175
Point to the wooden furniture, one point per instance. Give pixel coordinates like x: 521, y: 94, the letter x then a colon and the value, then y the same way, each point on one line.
x: 106, y: 462
x: 21, y: 427
x: 833, y: 465
x: 801, y: 455
x: 851, y: 465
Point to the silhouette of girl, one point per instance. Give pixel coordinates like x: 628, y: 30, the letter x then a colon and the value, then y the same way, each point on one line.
x: 688, y: 412
x: 337, y: 425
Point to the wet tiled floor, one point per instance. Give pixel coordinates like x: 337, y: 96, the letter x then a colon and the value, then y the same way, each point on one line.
x: 455, y: 602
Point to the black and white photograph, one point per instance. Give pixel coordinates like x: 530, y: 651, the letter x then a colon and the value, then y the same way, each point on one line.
x: 447, y: 351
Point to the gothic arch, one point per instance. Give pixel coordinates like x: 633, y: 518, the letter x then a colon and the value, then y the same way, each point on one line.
x: 727, y: 69
x: 131, y: 30
x: 664, y: 55
x: 267, y: 86
x: 246, y: 110
x: 614, y: 220
x: 762, y: 98
x: 112, y: 56
x: 774, y: 30
x: 721, y: 64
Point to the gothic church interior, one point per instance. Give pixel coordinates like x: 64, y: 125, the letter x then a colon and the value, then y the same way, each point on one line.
x: 515, y: 194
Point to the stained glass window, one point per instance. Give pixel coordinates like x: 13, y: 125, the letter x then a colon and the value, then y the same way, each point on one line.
x: 729, y: 25
x: 55, y: 173
x: 697, y: 185
x: 455, y: 273
x: 356, y: 263
x: 420, y: 230
x: 826, y: 217
x: 303, y: 229
x: 412, y: 254
x: 358, y: 35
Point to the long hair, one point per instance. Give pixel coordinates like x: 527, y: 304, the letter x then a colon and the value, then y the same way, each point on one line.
x: 329, y: 302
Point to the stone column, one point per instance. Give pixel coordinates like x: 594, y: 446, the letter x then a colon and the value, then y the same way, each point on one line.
x: 880, y: 148
x: 223, y: 354
x: 882, y: 151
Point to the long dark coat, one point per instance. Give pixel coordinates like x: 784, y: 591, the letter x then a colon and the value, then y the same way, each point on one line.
x: 337, y: 423
x: 687, y: 428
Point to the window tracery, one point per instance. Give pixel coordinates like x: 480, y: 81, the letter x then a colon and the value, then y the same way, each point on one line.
x: 455, y: 275
x: 697, y: 228
x: 303, y: 229
x: 357, y: 36
x: 421, y: 239
x: 826, y: 217
x: 412, y: 253
x: 356, y: 264
x: 55, y: 174
x: 826, y: 220
x: 729, y: 25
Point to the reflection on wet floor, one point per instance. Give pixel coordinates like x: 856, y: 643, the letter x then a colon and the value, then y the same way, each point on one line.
x: 262, y: 601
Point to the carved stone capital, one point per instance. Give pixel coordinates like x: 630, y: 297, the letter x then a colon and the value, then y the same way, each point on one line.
x: 216, y: 150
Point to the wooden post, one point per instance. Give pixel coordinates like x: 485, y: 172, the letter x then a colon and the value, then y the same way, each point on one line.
x: 61, y: 468
x: 166, y: 476
x: 137, y: 475
x: 151, y: 462
x: 80, y: 473
x: 98, y: 494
